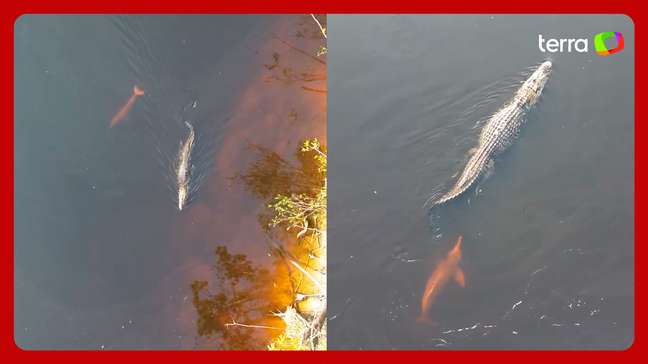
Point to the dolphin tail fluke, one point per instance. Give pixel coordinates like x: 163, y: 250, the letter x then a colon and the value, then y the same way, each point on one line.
x: 424, y: 319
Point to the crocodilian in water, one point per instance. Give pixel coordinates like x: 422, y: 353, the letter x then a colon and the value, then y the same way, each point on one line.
x: 184, y: 167
x: 499, y: 132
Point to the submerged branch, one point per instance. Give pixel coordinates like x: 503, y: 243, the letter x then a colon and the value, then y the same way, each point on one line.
x: 306, y: 88
x: 234, y: 323
x: 322, y: 29
x: 300, y: 50
x: 307, y: 274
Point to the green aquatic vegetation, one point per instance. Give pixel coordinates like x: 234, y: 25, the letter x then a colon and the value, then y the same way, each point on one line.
x: 304, y: 211
x: 295, y: 221
x: 282, y: 308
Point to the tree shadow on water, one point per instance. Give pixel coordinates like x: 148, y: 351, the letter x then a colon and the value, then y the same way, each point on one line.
x: 236, y: 313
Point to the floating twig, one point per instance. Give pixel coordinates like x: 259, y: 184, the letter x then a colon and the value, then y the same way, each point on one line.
x: 234, y: 323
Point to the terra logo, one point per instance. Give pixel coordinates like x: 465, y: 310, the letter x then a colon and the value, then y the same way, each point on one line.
x: 602, y: 49
x: 581, y: 45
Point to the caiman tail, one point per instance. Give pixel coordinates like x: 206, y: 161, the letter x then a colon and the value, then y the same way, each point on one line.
x: 500, y: 131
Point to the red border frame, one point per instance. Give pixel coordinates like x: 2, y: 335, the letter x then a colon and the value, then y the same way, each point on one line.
x: 12, y: 9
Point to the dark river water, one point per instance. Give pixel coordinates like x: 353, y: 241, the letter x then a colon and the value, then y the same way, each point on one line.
x: 103, y: 258
x: 547, y: 236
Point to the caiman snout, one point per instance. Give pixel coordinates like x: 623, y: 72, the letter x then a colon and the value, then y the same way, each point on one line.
x: 546, y: 66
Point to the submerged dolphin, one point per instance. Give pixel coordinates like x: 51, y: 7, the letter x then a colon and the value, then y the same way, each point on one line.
x: 447, y: 269
x: 125, y: 109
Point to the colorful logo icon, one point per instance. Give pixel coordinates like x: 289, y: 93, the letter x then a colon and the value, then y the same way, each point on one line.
x: 602, y: 49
